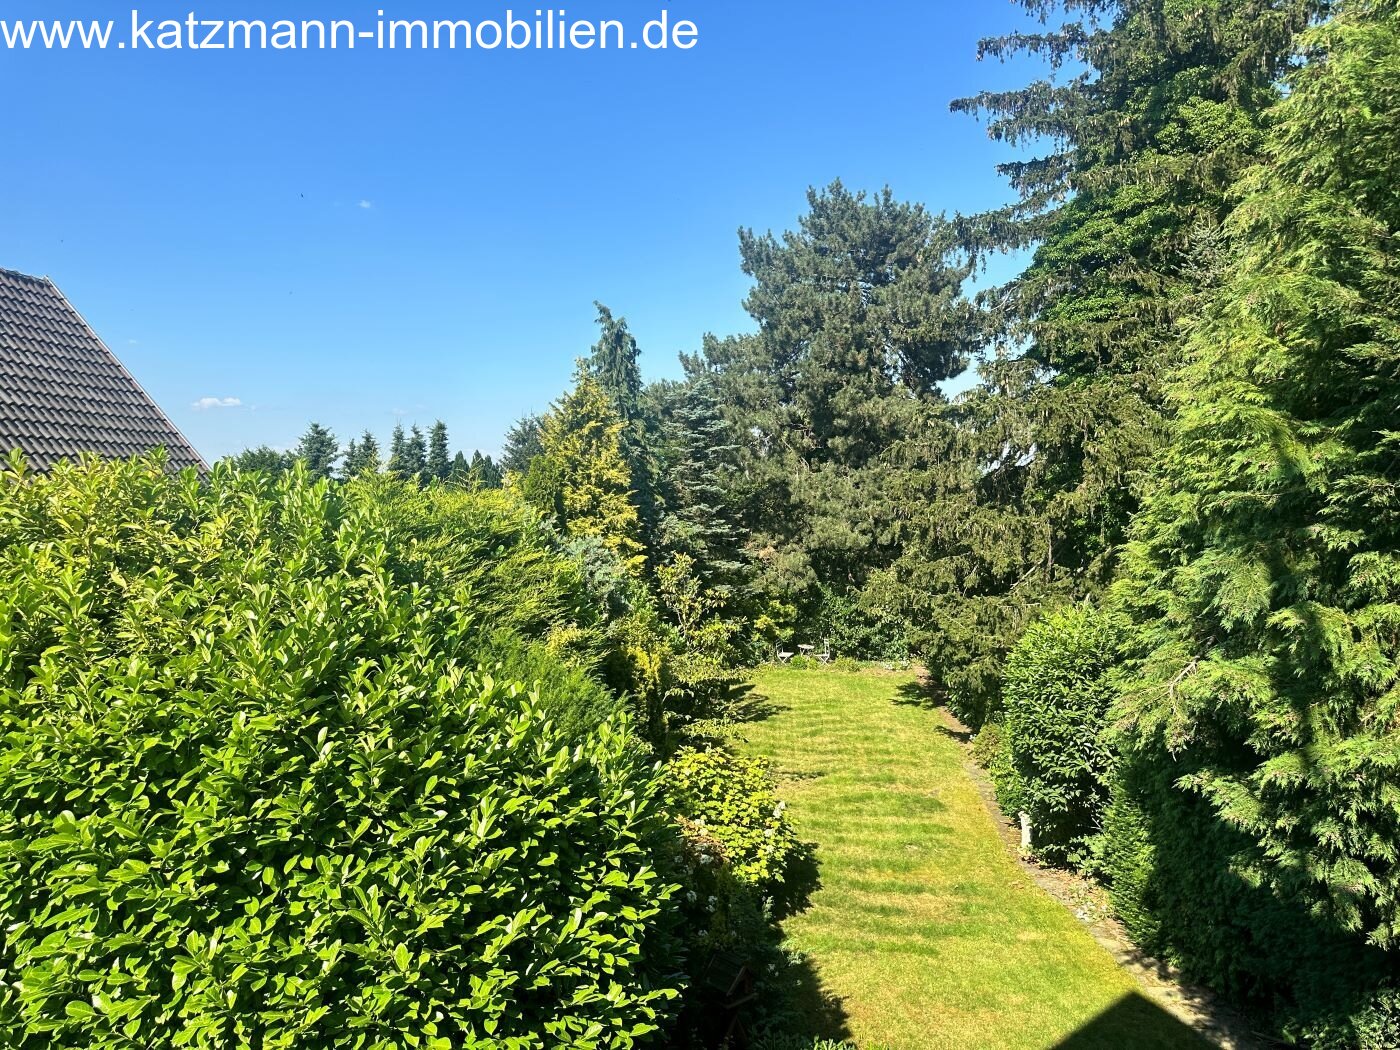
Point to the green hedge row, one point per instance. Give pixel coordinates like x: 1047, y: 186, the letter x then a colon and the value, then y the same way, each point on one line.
x: 255, y: 790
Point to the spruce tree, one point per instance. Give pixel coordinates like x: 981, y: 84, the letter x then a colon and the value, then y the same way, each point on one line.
x: 522, y: 444
x: 360, y: 457
x: 369, y: 454
x: 461, y: 469
x: 700, y: 460
x: 398, y: 454
x: 1020, y: 492
x: 415, y: 454
x: 319, y: 450
x: 438, y: 463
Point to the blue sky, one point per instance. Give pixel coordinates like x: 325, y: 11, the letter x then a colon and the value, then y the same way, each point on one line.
x: 364, y: 236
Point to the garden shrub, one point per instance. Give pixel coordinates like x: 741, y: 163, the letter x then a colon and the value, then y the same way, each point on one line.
x: 735, y: 824
x: 1373, y: 1026
x: 1055, y: 699
x: 855, y: 627
x: 254, y: 793
x: 742, y: 867
x: 991, y: 749
x: 1181, y: 879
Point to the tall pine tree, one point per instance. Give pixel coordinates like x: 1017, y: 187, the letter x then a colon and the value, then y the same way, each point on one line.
x: 860, y: 318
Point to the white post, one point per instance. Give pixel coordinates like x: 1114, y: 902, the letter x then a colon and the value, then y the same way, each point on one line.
x: 1025, y: 830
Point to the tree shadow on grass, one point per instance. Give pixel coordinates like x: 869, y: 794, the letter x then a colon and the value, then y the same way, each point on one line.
x: 745, y: 704
x: 801, y: 1006
x: 923, y: 693
x: 1135, y: 1021
x: 920, y: 693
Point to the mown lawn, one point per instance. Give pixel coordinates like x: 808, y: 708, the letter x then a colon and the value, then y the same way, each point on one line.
x: 925, y: 933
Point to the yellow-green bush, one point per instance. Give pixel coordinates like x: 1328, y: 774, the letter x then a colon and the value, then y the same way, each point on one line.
x: 734, y: 822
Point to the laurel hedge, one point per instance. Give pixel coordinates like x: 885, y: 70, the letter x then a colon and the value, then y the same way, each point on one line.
x: 255, y: 789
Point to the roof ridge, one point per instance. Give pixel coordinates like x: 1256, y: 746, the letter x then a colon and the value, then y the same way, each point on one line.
x: 46, y: 279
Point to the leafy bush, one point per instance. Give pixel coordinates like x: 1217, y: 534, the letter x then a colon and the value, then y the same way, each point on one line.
x: 1055, y: 699
x: 856, y: 627
x: 253, y: 793
x: 991, y: 748
x: 742, y: 867
x: 1374, y: 1026
x: 735, y: 823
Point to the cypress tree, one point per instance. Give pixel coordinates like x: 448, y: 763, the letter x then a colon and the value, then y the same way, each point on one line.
x: 484, y: 472
x: 1263, y: 571
x: 614, y: 364
x: 581, y: 478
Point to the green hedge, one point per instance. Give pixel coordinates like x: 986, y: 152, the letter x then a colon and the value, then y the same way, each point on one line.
x: 253, y: 792
x: 1055, y: 701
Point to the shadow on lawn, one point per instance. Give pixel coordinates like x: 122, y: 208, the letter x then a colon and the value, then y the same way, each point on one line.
x: 745, y: 704
x: 924, y: 694
x: 805, y: 1009
x: 1135, y: 1021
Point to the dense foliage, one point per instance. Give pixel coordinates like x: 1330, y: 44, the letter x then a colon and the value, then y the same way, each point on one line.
x: 1020, y: 493
x: 254, y: 789
x: 1150, y: 554
x: 1262, y: 571
x: 1056, y: 699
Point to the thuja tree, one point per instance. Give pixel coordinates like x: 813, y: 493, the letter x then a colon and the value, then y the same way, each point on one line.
x: 1021, y: 493
x: 1263, y: 572
x: 582, y: 478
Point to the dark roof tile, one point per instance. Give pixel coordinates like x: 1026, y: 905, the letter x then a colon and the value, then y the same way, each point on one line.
x: 62, y: 392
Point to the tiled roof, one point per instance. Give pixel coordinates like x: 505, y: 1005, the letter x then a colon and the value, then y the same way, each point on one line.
x: 63, y: 392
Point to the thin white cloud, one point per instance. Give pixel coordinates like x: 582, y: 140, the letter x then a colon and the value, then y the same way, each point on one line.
x: 366, y: 205
x: 205, y: 403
